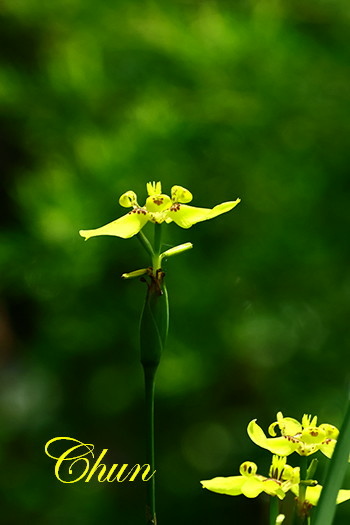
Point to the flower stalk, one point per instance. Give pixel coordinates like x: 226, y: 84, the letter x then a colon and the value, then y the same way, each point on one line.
x: 153, y: 334
x: 302, y: 511
x: 158, y: 209
x: 149, y: 375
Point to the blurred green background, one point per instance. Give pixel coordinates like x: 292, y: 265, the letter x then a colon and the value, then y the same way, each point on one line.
x: 244, y: 99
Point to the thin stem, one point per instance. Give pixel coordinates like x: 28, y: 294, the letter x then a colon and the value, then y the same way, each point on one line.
x: 303, y: 476
x: 302, y: 517
x: 157, y: 237
x: 145, y: 243
x: 150, y: 360
x: 149, y: 374
x: 156, y: 259
x: 273, y: 510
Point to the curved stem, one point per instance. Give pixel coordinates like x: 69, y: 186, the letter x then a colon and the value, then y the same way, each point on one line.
x: 145, y: 243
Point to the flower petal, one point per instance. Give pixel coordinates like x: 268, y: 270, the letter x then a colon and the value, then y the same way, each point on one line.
x: 231, y: 485
x: 279, y: 445
x: 313, y: 435
x: 125, y: 227
x: 158, y: 202
x: 313, y: 494
x: 128, y: 199
x: 180, y: 194
x: 303, y: 449
x: 185, y: 216
x: 248, y: 468
x: 327, y: 447
x: 330, y: 430
x: 256, y: 433
x: 223, y: 208
x: 343, y: 495
x: 253, y: 487
x: 287, y: 425
x: 273, y: 488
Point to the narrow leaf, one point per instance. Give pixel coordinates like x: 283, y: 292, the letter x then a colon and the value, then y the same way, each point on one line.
x: 326, y: 506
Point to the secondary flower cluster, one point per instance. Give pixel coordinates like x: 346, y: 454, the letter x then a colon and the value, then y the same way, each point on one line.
x: 305, y: 438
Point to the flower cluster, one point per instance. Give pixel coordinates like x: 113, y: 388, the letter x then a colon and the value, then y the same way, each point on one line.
x: 158, y: 208
x: 304, y: 438
x: 282, y: 477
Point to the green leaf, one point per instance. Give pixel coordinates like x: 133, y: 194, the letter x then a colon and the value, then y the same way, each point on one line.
x: 326, y: 507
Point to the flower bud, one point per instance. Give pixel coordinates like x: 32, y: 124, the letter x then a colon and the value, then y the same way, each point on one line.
x: 154, y: 321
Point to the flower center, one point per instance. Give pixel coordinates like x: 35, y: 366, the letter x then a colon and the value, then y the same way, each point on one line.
x: 158, y: 203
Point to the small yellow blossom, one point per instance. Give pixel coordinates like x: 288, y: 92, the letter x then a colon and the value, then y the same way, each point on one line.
x: 281, y: 478
x: 305, y: 438
x: 313, y: 494
x: 158, y: 208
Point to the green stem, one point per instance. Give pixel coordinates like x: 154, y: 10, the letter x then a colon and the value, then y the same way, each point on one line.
x: 157, y: 239
x: 302, y: 491
x: 153, y: 331
x: 274, y: 511
x: 303, y: 476
x: 149, y: 374
x: 145, y: 243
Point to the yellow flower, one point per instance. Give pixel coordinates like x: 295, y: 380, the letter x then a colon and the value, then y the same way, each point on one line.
x: 313, y: 494
x: 281, y: 478
x: 158, y: 208
x: 305, y: 438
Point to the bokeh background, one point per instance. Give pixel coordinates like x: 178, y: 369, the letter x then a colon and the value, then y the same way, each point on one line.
x: 244, y: 99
